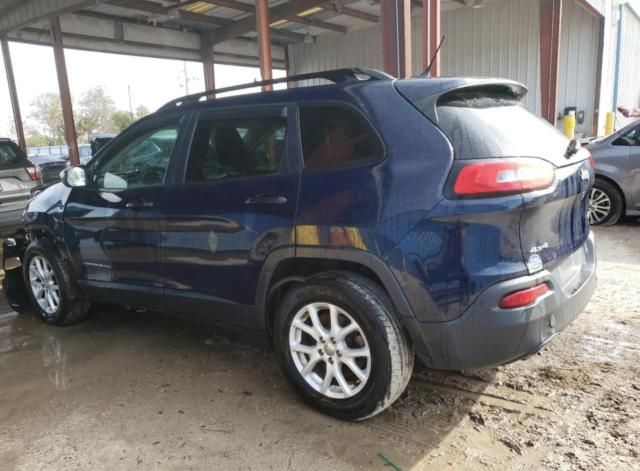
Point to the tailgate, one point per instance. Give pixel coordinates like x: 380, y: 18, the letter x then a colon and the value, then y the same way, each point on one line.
x: 554, y: 222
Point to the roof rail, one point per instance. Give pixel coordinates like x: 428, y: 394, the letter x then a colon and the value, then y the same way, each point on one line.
x: 354, y: 74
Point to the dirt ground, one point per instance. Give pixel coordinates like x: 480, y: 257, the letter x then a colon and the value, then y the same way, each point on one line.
x: 140, y: 390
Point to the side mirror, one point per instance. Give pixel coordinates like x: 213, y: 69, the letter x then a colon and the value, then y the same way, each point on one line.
x: 74, y: 177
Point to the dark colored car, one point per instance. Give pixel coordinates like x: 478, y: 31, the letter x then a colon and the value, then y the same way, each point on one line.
x: 616, y: 191
x: 353, y: 224
x: 51, y: 165
x: 18, y: 176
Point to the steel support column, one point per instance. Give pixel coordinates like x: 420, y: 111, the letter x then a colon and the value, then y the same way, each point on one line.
x: 264, y: 41
x: 65, y: 94
x: 395, y: 18
x: 13, y: 93
x: 431, y: 35
x: 550, y: 29
x: 600, y: 58
x: 208, y: 61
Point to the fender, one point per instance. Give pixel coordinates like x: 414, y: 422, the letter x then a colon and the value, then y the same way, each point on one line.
x: 365, y: 259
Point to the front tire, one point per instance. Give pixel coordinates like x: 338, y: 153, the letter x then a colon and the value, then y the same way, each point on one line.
x: 341, y: 345
x: 50, y: 287
x: 606, y: 204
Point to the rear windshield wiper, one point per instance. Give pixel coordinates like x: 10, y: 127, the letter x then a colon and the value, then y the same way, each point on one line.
x: 572, y: 149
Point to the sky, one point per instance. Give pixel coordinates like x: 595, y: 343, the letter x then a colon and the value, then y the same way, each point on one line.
x: 152, y: 82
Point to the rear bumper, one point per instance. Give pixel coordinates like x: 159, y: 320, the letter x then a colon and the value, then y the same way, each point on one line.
x: 486, y: 335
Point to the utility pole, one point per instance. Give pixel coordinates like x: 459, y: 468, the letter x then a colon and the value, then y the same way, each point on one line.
x: 130, y: 106
x: 186, y: 77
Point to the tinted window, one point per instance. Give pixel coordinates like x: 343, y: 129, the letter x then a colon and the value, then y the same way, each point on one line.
x: 141, y: 162
x: 334, y: 136
x: 236, y: 148
x: 487, y: 124
x: 10, y: 154
x: 629, y: 138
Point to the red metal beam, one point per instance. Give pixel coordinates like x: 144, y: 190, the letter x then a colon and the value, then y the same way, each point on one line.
x: 264, y: 41
x: 13, y: 93
x: 431, y: 35
x: 208, y: 64
x: 395, y: 19
x: 550, y: 28
x: 65, y: 94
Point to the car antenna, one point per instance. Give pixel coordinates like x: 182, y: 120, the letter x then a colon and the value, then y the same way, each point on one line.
x: 433, y: 59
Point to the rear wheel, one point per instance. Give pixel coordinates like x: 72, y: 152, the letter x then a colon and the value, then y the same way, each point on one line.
x: 605, y: 204
x: 51, y: 290
x: 342, y: 347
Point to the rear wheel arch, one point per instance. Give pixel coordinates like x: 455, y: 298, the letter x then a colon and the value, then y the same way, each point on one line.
x: 611, y: 181
x: 288, y: 269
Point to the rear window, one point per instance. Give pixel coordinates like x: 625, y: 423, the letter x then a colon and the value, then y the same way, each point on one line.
x: 10, y: 154
x: 481, y: 125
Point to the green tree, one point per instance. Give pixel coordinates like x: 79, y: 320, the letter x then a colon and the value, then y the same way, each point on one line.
x: 142, y: 111
x: 122, y: 120
x: 95, y: 110
x: 46, y: 112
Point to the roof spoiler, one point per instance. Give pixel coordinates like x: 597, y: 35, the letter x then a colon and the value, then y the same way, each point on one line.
x: 428, y: 105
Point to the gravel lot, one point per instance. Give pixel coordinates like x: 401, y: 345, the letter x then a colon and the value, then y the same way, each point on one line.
x: 140, y: 390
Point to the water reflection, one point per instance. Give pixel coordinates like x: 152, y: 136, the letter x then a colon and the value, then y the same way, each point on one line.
x: 54, y: 359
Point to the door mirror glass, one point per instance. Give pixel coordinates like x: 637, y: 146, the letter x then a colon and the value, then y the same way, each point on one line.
x: 74, y: 177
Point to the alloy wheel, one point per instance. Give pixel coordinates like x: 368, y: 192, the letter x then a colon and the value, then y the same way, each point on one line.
x: 330, y: 350
x: 599, y: 206
x: 44, y: 285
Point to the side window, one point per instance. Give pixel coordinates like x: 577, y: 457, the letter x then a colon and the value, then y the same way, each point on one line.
x: 142, y: 162
x: 334, y: 136
x: 630, y: 138
x: 224, y: 149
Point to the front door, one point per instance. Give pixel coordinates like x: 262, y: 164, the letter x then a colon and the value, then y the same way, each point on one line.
x: 235, y: 206
x: 112, y: 224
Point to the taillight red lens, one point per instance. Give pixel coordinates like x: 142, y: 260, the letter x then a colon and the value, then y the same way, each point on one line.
x: 524, y: 297
x: 34, y: 172
x: 504, y: 176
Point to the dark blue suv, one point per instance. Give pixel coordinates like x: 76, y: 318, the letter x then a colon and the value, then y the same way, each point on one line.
x: 356, y: 224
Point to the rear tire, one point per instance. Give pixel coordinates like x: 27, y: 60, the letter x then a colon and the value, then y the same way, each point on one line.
x: 606, y: 204
x: 51, y: 289
x: 358, y: 361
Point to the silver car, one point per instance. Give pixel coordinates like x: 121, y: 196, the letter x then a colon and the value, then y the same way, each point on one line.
x: 18, y: 176
x: 616, y: 191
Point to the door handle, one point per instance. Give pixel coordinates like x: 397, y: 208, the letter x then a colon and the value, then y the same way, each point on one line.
x: 266, y: 199
x: 140, y: 204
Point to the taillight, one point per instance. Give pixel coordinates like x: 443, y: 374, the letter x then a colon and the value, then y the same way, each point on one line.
x: 592, y: 161
x: 504, y: 176
x: 524, y: 297
x: 34, y: 172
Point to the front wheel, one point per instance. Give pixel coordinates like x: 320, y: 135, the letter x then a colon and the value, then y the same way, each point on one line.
x: 342, y: 347
x: 605, y: 204
x: 50, y: 287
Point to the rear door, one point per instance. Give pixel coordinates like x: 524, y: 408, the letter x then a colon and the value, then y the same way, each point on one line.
x: 235, y: 206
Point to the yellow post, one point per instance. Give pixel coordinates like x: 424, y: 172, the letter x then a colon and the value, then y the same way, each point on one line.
x: 610, y: 123
x: 570, y: 125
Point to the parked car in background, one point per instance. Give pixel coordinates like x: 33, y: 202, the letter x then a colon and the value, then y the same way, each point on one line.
x: 52, y: 160
x: 18, y: 176
x: 353, y: 224
x: 616, y: 191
